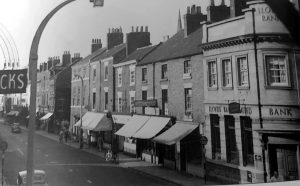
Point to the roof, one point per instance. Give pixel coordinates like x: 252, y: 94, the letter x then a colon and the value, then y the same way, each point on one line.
x: 140, y: 53
x: 109, y: 53
x: 92, y: 55
x: 177, y: 46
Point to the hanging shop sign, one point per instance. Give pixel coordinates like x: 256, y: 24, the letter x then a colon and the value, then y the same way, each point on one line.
x: 234, y: 108
x: 13, y: 81
x: 145, y: 103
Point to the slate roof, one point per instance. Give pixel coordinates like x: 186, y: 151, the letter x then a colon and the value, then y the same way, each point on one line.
x: 177, y: 46
x: 140, y: 53
x: 89, y: 57
x: 109, y: 53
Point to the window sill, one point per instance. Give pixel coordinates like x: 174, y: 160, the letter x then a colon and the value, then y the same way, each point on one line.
x: 145, y: 82
x: 243, y: 87
x: 131, y: 84
x: 163, y: 80
x: 212, y: 88
x: 288, y: 87
x: 187, y: 76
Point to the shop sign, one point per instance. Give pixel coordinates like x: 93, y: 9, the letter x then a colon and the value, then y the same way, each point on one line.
x: 281, y: 112
x: 145, y: 103
x: 234, y: 108
x: 225, y: 109
x: 13, y: 81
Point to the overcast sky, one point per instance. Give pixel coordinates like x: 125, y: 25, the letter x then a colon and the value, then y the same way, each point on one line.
x: 73, y: 27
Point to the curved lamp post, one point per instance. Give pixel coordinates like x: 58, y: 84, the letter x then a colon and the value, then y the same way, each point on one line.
x: 33, y: 58
x: 81, y: 95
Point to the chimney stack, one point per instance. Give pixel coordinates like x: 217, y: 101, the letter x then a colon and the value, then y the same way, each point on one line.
x: 96, y: 45
x: 76, y: 57
x: 192, y: 19
x: 218, y: 13
x: 236, y: 7
x: 114, y: 38
x: 66, y: 58
x: 137, y: 39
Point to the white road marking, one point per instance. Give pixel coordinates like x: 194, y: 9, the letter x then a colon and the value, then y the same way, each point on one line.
x: 89, y: 181
x: 20, y: 151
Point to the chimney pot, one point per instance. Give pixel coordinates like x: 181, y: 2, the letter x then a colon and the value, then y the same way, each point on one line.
x: 193, y: 9
x: 120, y: 29
x: 137, y: 29
x: 142, y: 29
x: 132, y: 29
x: 146, y: 29
x: 188, y: 11
x: 198, y: 10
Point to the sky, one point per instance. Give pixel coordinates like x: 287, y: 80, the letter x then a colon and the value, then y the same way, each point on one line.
x: 74, y: 26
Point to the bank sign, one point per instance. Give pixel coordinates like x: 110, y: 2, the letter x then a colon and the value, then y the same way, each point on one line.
x: 13, y: 81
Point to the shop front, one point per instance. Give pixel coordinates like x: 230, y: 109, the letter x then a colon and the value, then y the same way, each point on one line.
x: 47, y: 122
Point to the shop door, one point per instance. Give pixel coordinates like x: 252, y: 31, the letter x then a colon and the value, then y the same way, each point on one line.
x: 287, y: 164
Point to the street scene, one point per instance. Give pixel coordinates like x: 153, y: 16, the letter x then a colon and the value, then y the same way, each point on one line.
x: 119, y: 92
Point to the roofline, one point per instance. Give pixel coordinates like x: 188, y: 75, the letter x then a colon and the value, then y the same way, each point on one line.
x: 125, y: 63
x: 167, y: 59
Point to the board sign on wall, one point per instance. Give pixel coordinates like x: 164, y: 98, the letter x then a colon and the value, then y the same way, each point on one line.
x: 13, y: 81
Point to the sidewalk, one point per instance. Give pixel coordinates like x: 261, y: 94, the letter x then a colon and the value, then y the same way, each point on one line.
x: 141, y: 166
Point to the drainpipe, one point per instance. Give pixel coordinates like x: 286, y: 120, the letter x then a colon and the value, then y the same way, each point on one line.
x: 297, y: 80
x: 258, y: 92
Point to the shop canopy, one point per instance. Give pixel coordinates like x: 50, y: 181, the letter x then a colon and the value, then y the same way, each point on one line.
x: 135, y: 123
x: 47, y: 116
x: 13, y: 113
x: 176, y: 133
x: 121, y: 119
x: 152, y: 127
x: 95, y: 121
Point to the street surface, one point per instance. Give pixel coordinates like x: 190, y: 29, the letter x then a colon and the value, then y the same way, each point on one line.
x: 66, y: 165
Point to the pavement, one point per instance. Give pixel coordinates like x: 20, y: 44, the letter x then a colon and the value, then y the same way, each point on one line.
x: 140, y: 166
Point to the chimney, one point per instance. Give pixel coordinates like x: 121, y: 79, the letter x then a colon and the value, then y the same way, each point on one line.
x: 76, y: 57
x: 218, y: 13
x: 66, y: 58
x: 236, y: 7
x: 41, y: 67
x: 45, y: 66
x: 114, y: 38
x: 137, y: 39
x: 50, y: 63
x: 192, y: 20
x: 96, y: 44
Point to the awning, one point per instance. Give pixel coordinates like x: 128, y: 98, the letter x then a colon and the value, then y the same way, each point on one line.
x: 174, y: 134
x: 278, y: 131
x: 121, y: 119
x: 13, y: 113
x: 152, y: 127
x: 95, y: 121
x: 47, y: 116
x: 133, y: 125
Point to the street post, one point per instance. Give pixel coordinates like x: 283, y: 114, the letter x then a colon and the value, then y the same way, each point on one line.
x: 81, y: 96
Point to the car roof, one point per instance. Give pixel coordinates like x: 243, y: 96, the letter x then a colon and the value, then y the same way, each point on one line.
x: 24, y: 172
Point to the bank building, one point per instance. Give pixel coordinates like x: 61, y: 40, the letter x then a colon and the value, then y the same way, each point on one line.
x: 251, y: 84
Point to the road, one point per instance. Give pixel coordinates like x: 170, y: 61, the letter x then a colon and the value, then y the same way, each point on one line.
x: 66, y: 165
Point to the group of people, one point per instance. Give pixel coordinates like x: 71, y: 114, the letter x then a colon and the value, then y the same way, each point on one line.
x: 63, y: 135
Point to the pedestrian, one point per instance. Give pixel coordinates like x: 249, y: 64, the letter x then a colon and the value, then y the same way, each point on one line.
x: 275, y: 177
x: 66, y: 135
x: 99, y: 142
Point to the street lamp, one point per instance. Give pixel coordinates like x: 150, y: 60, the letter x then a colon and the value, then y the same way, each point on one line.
x: 33, y: 58
x: 81, y: 95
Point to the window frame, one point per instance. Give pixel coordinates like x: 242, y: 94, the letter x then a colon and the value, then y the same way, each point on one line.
x: 119, y: 77
x: 246, y: 142
x: 238, y: 72
x: 164, y: 71
x: 144, y: 74
x: 106, y: 100
x: 215, y: 145
x: 132, y: 75
x: 230, y: 139
x: 268, y: 84
x: 105, y: 72
x: 224, y: 79
x: 188, y: 110
x: 215, y: 86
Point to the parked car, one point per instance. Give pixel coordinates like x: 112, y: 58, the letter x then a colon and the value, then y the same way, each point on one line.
x: 39, y: 178
x: 15, y: 128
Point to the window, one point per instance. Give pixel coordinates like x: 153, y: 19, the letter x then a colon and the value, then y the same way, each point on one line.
x: 144, y: 97
x: 187, y: 67
x: 94, y: 100
x: 132, y: 75
x: 60, y: 105
x: 84, y: 72
x: 227, y: 73
x: 78, y: 98
x: 74, y: 73
x: 215, y: 136
x: 277, y: 70
x: 119, y: 77
x: 131, y: 104
x: 242, y: 70
x: 120, y: 105
x: 105, y: 71
x: 164, y: 69
x: 212, y: 74
x: 164, y: 102
x: 106, y: 101
x: 144, y: 74
x: 188, y: 102
x: 247, y: 140
x: 94, y: 73
x: 231, y: 147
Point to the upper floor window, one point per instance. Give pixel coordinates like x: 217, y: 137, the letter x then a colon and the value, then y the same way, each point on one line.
x: 84, y: 72
x: 187, y: 67
x: 144, y: 74
x: 119, y: 77
x: 277, y: 70
x: 94, y: 73
x: 212, y: 74
x: 227, y: 72
x: 132, y: 74
x: 188, y: 103
x: 106, y: 100
x: 164, y: 70
x: 132, y: 98
x: 120, y: 105
x: 105, y: 71
x: 242, y: 71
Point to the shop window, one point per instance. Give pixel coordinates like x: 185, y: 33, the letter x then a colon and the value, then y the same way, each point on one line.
x: 227, y: 72
x: 277, y: 70
x: 188, y: 103
x: 215, y: 136
x: 242, y: 70
x: 144, y: 75
x: 231, y: 147
x: 164, y: 70
x: 169, y: 152
x: 107, y: 137
x: 212, y: 74
x: 247, y: 140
